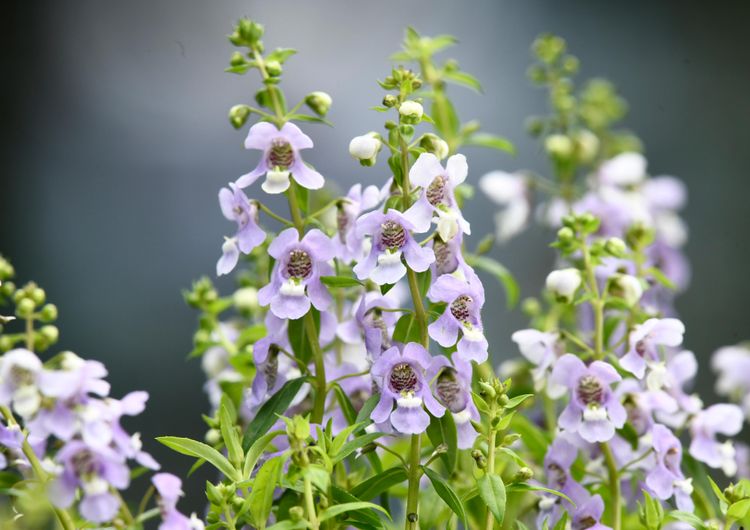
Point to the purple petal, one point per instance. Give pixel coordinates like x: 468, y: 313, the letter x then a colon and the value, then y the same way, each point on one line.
x: 306, y: 176
x: 419, y: 258
x: 425, y: 169
x: 457, y: 169
x: 283, y: 241
x: 444, y: 330
x: 99, y: 508
x: 420, y: 214
x: 410, y: 420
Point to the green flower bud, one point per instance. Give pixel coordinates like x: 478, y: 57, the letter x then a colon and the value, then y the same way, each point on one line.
x: 435, y: 145
x: 250, y: 32
x: 389, y: 100
x: 503, y: 399
x: 246, y: 299
x: 7, y: 288
x: 48, y: 313
x: 487, y: 389
x: 566, y: 235
x: 25, y: 308
x: 6, y: 343
x: 6, y: 269
x: 570, y: 64
x: 535, y: 126
x: 238, y: 115
x: 531, y: 307
x: 296, y: 513
x: 319, y: 102
x: 615, y: 247
x: 214, y: 494
x: 273, y: 68
x: 523, y: 474
x: 587, y: 145
x: 510, y: 439
x: 213, y: 437
x: 237, y: 59
x: 559, y: 146
x: 411, y: 111
x: 49, y: 333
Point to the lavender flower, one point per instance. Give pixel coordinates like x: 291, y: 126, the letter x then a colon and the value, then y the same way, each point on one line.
x: 349, y: 246
x: 558, y: 461
x: 237, y: 207
x: 645, y: 341
x: 542, y: 350
x: 665, y: 477
x: 20, y: 370
x: 401, y: 377
x: 437, y: 198
x: 281, y: 158
x: 732, y: 364
x: 465, y: 300
x: 295, y: 280
x: 452, y: 387
x: 391, y: 238
x: 593, y: 411
x: 588, y: 514
x: 449, y: 259
x: 370, y: 326
x: 169, y: 489
x: 717, y: 419
x: 510, y: 190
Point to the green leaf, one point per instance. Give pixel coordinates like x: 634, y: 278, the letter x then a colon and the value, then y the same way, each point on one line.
x: 630, y: 435
x: 301, y: 345
x: 266, y: 416
x: 533, y: 438
x: 338, y: 509
x: 308, y: 118
x: 289, y: 525
x: 447, y: 494
x: 230, y: 436
x: 280, y: 54
x: 491, y: 141
x: 375, y: 485
x: 444, y: 115
x: 407, y: 329
x: 345, y: 403
x: 689, y: 518
x: 423, y: 281
x: 255, y: 452
x: 500, y: 272
x: 517, y: 400
x: 366, y: 410
x: 492, y: 492
x: 464, y: 79
x: 739, y: 509
x: 340, y: 281
x: 197, y: 449
x: 352, y: 445
x: 260, y: 499
x: 523, y: 487
x: 443, y: 431
x: 363, y: 516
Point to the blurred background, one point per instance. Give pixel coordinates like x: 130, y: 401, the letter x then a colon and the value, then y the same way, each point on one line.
x: 114, y: 143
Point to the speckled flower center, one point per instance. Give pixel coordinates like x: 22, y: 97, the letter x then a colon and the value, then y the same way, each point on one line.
x: 585, y: 522
x: 590, y: 390
x: 21, y: 376
x: 392, y: 235
x: 449, y: 391
x: 640, y: 347
x: 672, y: 459
x: 403, y: 378
x: 557, y: 475
x: 374, y: 319
x: 460, y: 308
x: 299, y: 264
x: 84, y: 463
x: 436, y: 192
x: 271, y: 366
x: 281, y: 154
x: 445, y: 260
x: 342, y: 223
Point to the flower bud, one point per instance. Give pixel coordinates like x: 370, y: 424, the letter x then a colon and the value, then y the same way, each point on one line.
x: 237, y: 59
x: 510, y: 439
x: 411, y: 111
x: 559, y: 146
x: 49, y: 333
x: 25, y: 308
x: 487, y: 389
x: 523, y: 474
x: 319, y: 102
x: 615, y: 247
x: 273, y: 68
x: 531, y: 307
x: 296, y: 513
x: 48, y: 313
x: 627, y: 287
x: 365, y: 148
x: 246, y: 298
x: 389, y: 100
x: 213, y: 437
x: 564, y: 283
x: 435, y: 145
x: 7, y: 288
x: 587, y: 145
x: 238, y: 115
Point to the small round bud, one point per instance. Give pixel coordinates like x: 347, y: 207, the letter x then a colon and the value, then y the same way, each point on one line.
x: 389, y: 100
x: 411, y: 111
x: 273, y: 68
x: 435, y: 145
x: 564, y: 283
x: 510, y: 439
x: 365, y: 148
x: 49, y: 333
x: 587, y: 145
x: 213, y: 437
x: 5, y: 343
x: 523, y: 474
x: 319, y: 102
x: 48, y: 313
x: 25, y: 308
x: 487, y: 389
x: 503, y: 399
x: 296, y: 513
x: 7, y: 288
x: 558, y: 146
x: 416, y: 84
x: 531, y: 307
x: 237, y: 59
x: 406, y: 130
x: 246, y: 298
x: 627, y: 287
x: 238, y: 115
x: 615, y: 247
x: 38, y: 295
x: 566, y: 235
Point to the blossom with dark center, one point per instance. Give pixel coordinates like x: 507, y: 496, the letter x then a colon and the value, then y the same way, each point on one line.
x: 437, y: 199
x: 281, y: 158
x: 449, y: 259
x: 587, y: 515
x: 95, y: 471
x: 349, y: 247
x: 645, y: 341
x: 237, y: 207
x: 371, y: 326
x: 295, y: 279
x: 558, y: 461
x: 401, y: 378
x: 665, y: 478
x: 717, y: 419
x: 391, y: 239
x: 593, y: 411
x: 452, y: 387
x: 462, y: 313
x: 169, y: 489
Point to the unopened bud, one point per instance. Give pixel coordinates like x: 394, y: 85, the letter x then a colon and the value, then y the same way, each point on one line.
x: 435, y: 145
x: 48, y: 313
x: 487, y: 389
x: 319, y: 102
x: 213, y: 437
x: 615, y: 247
x: 296, y: 513
x: 523, y: 474
x: 627, y: 287
x: 587, y: 145
x: 25, y: 308
x: 365, y: 148
x: 510, y: 439
x: 564, y: 283
x: 237, y: 59
x: 246, y: 298
x: 238, y: 115
x: 389, y: 100
x: 559, y: 146
x: 273, y: 68
x: 411, y: 111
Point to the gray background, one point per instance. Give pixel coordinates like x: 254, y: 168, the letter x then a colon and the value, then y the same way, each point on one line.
x: 114, y: 143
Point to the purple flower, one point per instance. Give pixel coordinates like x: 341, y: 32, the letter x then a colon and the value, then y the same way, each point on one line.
x: 641, y: 403
x: 645, y: 341
x: 465, y: 300
x: 20, y: 370
x: 370, y: 325
x: 349, y: 246
x: 671, y: 377
x: 237, y: 207
x: 541, y: 349
x: 401, y: 377
x: 391, y: 238
x: 449, y: 259
x: 665, y: 477
x: 437, y: 197
x: 557, y: 463
x: 717, y: 419
x: 452, y: 387
x: 169, y: 488
x: 510, y: 190
x: 625, y: 169
x: 94, y: 471
x: 732, y: 364
x: 77, y: 379
x: 281, y: 158
x: 593, y: 411
x: 295, y: 280
x: 587, y: 515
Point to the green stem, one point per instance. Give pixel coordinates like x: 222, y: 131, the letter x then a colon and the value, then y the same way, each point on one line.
x: 412, y: 499
x: 597, y: 304
x: 419, y: 312
x: 614, y: 486
x: 489, y: 518
x: 265, y: 209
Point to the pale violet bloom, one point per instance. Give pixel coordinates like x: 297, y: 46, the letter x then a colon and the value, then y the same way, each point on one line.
x: 169, y: 490
x: 20, y: 372
x: 542, y: 349
x: 295, y: 279
x: 371, y: 327
x: 437, y: 200
x: 281, y: 159
x: 593, y: 411
x: 510, y: 190
x: 625, y: 169
x: 449, y: 259
x: 452, y: 387
x: 561, y: 455
x: 587, y: 515
x: 462, y: 313
x: 665, y: 478
x: 237, y: 207
x: 645, y: 341
x: 732, y: 366
x: 717, y: 419
x: 401, y: 377
x: 349, y: 246
x: 391, y: 239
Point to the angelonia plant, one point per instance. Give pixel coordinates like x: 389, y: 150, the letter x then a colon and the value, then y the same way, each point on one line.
x: 348, y: 374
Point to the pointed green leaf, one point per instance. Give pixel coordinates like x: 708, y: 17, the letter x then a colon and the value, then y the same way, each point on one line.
x: 492, y: 492
x: 443, y: 489
x: 266, y: 416
x: 197, y: 449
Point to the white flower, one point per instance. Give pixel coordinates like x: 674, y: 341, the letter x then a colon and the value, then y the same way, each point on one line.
x: 364, y: 147
x: 564, y: 283
x: 276, y: 182
x: 628, y: 288
x: 411, y: 109
x: 509, y: 190
x: 626, y: 169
